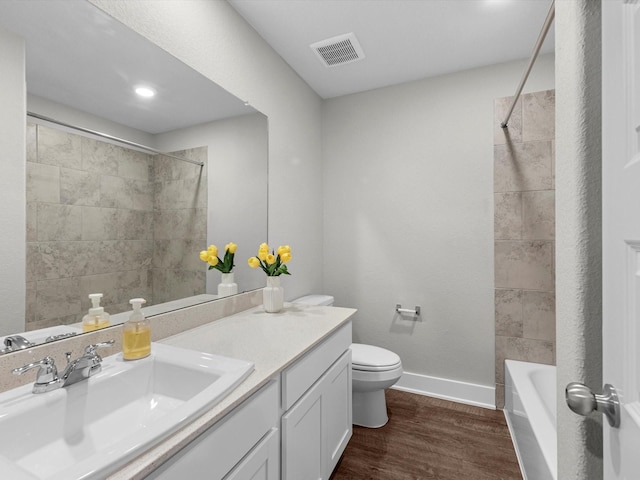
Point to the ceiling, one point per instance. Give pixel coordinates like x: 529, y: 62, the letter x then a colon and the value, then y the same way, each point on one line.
x: 402, y: 40
x: 78, y: 56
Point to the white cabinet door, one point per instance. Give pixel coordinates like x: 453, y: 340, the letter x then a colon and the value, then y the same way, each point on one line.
x: 337, y: 416
x: 262, y: 463
x: 316, y: 429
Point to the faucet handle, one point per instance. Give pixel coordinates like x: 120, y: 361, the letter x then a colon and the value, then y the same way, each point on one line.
x: 47, y: 378
x: 91, y: 349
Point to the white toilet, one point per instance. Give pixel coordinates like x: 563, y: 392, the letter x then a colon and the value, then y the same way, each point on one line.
x: 373, y: 369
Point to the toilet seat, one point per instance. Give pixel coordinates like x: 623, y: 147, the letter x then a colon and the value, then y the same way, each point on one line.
x: 369, y: 358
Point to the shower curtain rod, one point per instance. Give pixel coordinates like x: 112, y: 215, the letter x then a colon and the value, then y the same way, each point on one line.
x: 534, y: 55
x: 111, y: 137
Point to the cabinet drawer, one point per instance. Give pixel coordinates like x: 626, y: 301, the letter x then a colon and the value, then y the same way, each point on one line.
x: 214, y: 453
x: 298, y: 378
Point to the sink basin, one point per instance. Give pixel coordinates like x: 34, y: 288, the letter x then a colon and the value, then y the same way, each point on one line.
x: 91, y: 428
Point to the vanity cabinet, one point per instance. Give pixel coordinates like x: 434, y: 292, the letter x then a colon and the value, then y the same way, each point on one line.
x: 243, y: 445
x: 294, y: 428
x: 315, y: 431
x: 317, y: 423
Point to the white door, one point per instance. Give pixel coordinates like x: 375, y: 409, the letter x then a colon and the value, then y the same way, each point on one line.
x: 621, y: 231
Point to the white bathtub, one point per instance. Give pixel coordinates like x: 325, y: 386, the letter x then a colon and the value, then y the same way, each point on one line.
x: 530, y: 409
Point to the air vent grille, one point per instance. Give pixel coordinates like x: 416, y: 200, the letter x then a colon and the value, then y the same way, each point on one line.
x: 338, y: 50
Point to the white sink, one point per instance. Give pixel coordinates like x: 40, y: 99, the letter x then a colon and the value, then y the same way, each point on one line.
x: 92, y: 428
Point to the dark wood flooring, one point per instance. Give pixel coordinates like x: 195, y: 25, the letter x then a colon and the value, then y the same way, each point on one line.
x: 429, y: 438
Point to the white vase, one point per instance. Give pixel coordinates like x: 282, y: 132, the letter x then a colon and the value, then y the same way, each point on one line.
x: 273, y: 295
x: 227, y: 286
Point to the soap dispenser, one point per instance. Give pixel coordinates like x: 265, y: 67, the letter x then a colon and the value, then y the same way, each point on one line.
x: 96, y: 318
x: 136, y: 333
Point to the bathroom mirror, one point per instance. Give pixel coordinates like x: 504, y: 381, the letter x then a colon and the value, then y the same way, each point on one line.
x: 105, y: 217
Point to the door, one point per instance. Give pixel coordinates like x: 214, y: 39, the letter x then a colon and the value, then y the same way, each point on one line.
x: 621, y: 230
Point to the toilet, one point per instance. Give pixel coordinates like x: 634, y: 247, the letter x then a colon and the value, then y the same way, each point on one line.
x: 373, y: 369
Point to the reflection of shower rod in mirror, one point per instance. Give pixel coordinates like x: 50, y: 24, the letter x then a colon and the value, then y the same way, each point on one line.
x: 111, y: 137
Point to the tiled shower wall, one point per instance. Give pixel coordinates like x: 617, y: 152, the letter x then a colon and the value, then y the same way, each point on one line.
x: 524, y: 230
x: 94, y: 211
x: 179, y: 226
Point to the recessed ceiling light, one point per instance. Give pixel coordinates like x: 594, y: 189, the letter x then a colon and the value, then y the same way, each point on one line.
x: 145, y: 92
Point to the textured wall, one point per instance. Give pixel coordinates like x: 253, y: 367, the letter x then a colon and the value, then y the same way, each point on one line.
x: 409, y: 215
x: 524, y: 232
x: 579, y: 230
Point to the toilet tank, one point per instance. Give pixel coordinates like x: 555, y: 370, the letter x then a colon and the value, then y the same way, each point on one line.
x: 315, y: 300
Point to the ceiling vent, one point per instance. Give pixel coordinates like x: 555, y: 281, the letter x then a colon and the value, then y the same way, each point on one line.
x: 338, y: 50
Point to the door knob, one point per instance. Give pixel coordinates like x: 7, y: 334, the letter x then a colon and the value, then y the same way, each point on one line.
x: 583, y: 401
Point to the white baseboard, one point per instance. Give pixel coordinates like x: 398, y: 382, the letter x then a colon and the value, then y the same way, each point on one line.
x: 461, y: 392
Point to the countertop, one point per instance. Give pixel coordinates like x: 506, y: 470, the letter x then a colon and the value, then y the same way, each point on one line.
x: 272, y: 341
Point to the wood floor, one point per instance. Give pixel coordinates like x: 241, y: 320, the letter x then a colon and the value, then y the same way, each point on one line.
x: 428, y: 438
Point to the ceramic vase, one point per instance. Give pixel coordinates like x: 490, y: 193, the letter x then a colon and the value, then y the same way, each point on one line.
x: 273, y: 295
x: 227, y: 286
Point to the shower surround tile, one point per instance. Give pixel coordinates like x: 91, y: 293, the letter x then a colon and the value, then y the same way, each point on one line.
x: 79, y: 188
x: 32, y: 221
x: 508, y: 216
x: 99, y: 223
x: 523, y: 349
x: 43, y: 183
x: 513, y: 132
x: 538, y: 116
x: 59, y: 222
x: 58, y: 298
x: 59, y: 148
x: 539, y: 215
x: 91, y: 223
x: 100, y: 157
x: 185, y: 223
x: 523, y: 166
x: 524, y: 231
x: 526, y: 265
x: 539, y: 313
x: 509, y: 313
x: 32, y: 142
x: 134, y: 224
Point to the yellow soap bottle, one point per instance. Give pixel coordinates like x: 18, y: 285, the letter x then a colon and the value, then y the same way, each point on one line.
x: 136, y: 333
x: 96, y: 318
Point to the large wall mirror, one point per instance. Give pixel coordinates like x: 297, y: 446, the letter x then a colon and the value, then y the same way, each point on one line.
x: 113, y: 217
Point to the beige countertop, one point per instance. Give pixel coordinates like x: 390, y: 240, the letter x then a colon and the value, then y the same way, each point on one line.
x: 272, y: 341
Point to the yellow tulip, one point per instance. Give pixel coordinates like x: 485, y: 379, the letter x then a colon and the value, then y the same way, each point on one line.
x: 284, y: 249
x: 204, y: 255
x: 263, y: 247
x: 231, y: 247
x: 285, y: 257
x: 212, y: 260
x: 271, y: 259
x: 262, y: 255
x: 213, y: 250
x: 253, y: 262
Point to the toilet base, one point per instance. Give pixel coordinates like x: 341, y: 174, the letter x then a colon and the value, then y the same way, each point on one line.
x: 370, y: 409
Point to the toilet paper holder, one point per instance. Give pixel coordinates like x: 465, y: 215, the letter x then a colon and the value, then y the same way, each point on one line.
x: 415, y: 311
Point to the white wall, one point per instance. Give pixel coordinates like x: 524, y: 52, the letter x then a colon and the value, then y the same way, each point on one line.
x: 12, y: 182
x: 213, y: 39
x: 408, y: 195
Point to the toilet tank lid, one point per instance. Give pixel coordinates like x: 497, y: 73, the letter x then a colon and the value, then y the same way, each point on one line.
x: 315, y: 300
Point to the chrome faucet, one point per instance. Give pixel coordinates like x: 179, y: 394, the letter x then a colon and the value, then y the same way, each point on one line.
x: 79, y: 369
x: 16, y: 342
